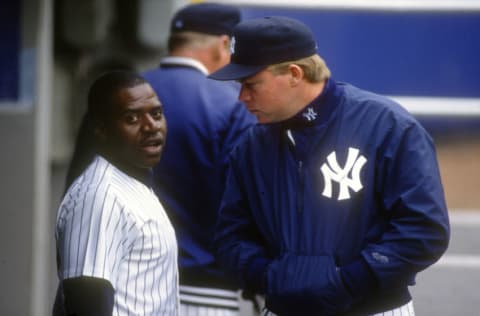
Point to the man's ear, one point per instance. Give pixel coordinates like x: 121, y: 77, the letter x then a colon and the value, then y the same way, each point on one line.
x: 225, y: 43
x: 296, y: 74
x: 223, y: 49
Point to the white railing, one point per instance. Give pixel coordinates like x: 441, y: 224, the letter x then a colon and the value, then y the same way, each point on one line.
x: 440, y: 106
x: 389, y: 5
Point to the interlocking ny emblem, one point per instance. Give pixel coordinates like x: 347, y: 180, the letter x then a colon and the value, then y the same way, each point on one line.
x: 232, y: 45
x: 332, y: 172
x: 310, y: 115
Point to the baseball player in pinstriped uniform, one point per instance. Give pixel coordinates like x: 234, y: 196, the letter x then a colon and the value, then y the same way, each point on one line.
x: 205, y: 122
x: 116, y: 248
x: 334, y: 202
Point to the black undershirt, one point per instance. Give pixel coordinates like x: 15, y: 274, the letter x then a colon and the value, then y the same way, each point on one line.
x: 84, y: 296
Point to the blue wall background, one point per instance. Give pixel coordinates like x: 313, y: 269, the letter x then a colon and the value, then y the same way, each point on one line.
x: 396, y: 53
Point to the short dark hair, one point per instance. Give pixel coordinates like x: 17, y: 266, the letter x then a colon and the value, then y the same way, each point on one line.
x: 103, y: 89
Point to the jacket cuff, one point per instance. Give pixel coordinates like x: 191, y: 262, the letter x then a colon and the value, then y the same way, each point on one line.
x: 256, y: 274
x: 358, y: 278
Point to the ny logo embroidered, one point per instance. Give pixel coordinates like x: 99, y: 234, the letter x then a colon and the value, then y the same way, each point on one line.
x: 332, y: 172
x: 310, y: 115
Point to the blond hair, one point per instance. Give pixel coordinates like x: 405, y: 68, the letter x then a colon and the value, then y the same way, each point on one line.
x: 314, y: 68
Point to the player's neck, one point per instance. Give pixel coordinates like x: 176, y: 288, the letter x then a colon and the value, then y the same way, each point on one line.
x: 312, y: 91
x: 139, y: 173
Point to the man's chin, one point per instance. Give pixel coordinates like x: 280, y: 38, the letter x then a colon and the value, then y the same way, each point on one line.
x: 150, y: 161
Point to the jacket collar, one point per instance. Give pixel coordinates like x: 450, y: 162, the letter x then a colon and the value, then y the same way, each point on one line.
x: 175, y: 61
x: 318, y: 111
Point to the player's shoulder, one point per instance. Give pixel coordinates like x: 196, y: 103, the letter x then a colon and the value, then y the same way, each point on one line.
x: 91, y: 189
x: 259, y: 139
x: 356, y: 95
x: 375, y: 106
x: 165, y: 73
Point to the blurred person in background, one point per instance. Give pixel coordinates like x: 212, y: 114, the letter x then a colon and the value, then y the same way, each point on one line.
x: 205, y: 122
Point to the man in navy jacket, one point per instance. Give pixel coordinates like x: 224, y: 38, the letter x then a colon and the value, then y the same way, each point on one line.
x: 205, y: 121
x: 334, y: 202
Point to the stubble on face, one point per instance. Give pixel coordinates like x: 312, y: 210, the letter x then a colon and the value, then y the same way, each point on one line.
x: 138, y: 129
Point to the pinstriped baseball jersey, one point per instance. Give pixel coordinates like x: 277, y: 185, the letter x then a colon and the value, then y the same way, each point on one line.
x: 112, y: 226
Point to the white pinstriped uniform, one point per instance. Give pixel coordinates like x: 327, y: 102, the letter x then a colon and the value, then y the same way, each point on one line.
x: 203, y: 301
x: 404, y: 310
x: 112, y: 226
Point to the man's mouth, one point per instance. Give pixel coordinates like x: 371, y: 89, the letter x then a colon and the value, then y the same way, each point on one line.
x: 152, y: 146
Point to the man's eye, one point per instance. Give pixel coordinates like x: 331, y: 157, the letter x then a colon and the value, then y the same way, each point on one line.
x: 131, y: 118
x: 157, y: 114
x: 250, y: 85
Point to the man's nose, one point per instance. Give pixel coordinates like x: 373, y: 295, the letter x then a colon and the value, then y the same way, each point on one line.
x: 150, y: 124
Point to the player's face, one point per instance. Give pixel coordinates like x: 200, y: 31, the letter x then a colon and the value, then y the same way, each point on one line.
x: 267, y: 96
x: 137, y: 129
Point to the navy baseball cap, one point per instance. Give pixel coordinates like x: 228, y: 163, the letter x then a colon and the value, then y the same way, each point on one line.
x: 208, y: 18
x: 258, y: 43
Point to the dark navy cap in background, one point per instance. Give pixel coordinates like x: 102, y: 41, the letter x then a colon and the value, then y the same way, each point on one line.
x: 258, y: 43
x: 208, y: 18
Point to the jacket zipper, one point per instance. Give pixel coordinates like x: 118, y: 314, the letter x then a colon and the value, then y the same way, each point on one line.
x: 300, y: 187
x: 299, y: 190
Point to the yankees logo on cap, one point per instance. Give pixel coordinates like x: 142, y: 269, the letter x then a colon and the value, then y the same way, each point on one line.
x: 232, y: 45
x: 207, y: 18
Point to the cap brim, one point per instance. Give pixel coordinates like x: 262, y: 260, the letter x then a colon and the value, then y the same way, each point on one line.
x: 236, y: 72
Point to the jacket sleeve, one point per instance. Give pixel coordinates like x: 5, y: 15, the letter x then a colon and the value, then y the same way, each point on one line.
x: 239, y: 121
x: 238, y: 243
x: 410, y: 189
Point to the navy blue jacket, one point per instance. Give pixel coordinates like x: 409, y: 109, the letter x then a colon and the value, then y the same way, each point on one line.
x: 336, y: 209
x: 205, y: 121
